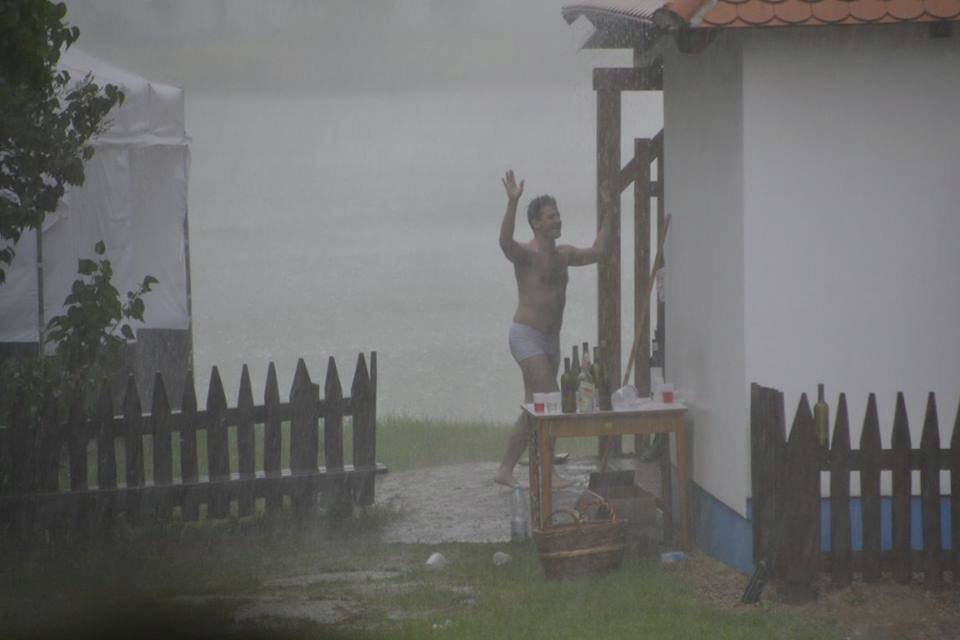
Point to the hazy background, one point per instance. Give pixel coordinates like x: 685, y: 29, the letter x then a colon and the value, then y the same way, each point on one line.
x: 345, y: 187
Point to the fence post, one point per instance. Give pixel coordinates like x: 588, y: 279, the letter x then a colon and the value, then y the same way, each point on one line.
x: 218, y: 455
x: 840, y: 546
x: 799, y: 550
x: 870, y: 452
x: 188, y: 449
x: 273, y: 499
x: 902, y: 566
x: 133, y: 446
x: 246, y: 445
x: 930, y: 495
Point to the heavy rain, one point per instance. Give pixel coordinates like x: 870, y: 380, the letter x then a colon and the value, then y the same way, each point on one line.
x: 758, y: 206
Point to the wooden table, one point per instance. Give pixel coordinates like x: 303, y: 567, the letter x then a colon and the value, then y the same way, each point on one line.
x: 653, y: 417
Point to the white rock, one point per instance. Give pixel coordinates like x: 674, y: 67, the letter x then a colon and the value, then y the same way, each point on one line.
x: 436, y: 561
x: 500, y: 558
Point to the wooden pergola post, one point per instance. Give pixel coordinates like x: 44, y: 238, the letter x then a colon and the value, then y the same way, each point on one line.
x: 609, y: 85
x: 608, y: 270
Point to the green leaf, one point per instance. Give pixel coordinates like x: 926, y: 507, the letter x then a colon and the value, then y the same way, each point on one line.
x: 87, y: 267
x: 127, y: 332
x: 100, y: 248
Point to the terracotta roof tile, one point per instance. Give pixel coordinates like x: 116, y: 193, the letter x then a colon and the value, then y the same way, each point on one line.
x: 905, y: 9
x: 869, y: 10
x: 833, y: 11
x: 756, y: 13
x: 723, y: 14
x: 794, y: 11
x: 943, y: 8
x: 771, y: 13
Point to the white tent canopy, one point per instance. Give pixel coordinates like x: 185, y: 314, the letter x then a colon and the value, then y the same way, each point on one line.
x: 134, y: 199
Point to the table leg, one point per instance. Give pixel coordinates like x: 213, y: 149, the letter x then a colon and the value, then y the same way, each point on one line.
x: 684, y: 482
x: 546, y: 475
x: 534, y: 458
x: 666, y: 488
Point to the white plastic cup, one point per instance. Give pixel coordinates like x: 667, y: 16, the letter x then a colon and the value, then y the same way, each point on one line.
x: 552, y: 402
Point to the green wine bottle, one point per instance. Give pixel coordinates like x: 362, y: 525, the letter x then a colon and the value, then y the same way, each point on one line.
x: 821, y: 418
x: 568, y: 389
x: 600, y: 381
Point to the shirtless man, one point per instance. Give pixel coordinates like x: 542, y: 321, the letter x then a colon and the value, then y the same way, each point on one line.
x: 541, y: 270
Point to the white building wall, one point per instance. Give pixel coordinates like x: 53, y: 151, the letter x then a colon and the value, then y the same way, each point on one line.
x: 851, y: 143
x: 704, y: 253
x: 813, y: 176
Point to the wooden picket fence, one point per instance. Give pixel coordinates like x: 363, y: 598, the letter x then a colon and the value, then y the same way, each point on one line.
x: 785, y: 476
x: 61, y: 476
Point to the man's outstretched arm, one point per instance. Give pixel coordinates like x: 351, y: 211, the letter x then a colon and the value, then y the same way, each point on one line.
x: 600, y: 247
x: 511, y: 248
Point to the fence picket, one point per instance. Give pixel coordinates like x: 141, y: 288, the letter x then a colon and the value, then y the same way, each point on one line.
x: 763, y: 463
x: 955, y: 499
x: 160, y: 427
x: 188, y: 449
x: 901, y: 493
x: 930, y: 495
x: 49, y: 447
x: 800, y: 540
x: 333, y: 419
x: 273, y: 499
x: 304, y: 440
x: 133, y: 449
x: 364, y: 432
x: 32, y: 450
x: 840, y: 546
x: 77, y: 438
x: 870, y: 451
x: 218, y: 454
x: 246, y: 443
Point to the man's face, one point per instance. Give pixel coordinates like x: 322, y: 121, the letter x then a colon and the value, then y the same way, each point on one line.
x: 548, y: 222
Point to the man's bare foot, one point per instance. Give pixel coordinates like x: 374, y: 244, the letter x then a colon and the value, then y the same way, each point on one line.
x: 506, y: 478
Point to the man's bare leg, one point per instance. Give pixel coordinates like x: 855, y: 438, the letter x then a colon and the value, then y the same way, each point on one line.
x: 539, y: 376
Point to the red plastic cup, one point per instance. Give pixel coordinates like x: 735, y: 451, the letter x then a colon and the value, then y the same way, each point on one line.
x: 668, y: 397
x: 538, y: 407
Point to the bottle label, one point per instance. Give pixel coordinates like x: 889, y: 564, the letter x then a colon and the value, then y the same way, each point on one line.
x: 585, y: 397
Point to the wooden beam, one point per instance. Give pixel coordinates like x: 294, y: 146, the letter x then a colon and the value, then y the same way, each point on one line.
x: 628, y: 79
x: 630, y: 173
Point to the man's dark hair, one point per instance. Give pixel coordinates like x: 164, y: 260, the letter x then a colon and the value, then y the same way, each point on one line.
x: 536, y: 206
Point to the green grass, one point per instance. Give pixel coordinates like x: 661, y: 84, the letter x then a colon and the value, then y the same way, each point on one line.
x: 126, y: 590
x: 124, y: 587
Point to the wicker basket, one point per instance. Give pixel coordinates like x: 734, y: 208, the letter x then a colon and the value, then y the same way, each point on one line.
x: 582, y: 546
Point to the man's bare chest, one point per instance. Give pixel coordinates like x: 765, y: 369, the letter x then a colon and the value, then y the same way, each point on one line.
x: 544, y: 271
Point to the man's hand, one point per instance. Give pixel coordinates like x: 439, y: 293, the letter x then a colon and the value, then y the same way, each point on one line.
x: 510, y: 184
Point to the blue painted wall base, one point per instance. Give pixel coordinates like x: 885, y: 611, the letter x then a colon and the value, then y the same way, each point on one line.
x: 724, y: 534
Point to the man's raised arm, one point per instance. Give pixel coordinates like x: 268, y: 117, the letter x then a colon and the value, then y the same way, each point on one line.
x: 511, y: 248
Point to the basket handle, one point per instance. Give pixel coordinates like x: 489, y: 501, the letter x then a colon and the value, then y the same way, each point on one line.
x: 597, y: 499
x: 568, y: 512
